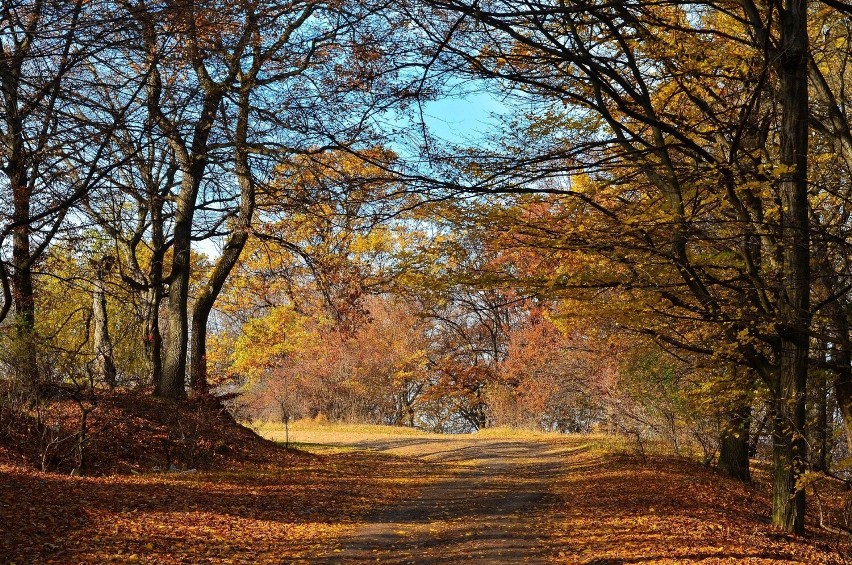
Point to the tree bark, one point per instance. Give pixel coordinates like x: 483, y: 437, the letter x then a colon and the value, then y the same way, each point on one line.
x: 173, y: 380
x: 193, y: 157
x: 790, y: 446
x: 204, y: 305
x: 734, y: 444
x: 15, y: 168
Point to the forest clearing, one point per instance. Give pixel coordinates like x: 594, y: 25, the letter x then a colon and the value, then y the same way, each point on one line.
x: 358, y: 493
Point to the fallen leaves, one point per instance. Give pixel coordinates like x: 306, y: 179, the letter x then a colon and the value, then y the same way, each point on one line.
x: 295, y: 507
x: 673, y: 511
x: 478, y: 498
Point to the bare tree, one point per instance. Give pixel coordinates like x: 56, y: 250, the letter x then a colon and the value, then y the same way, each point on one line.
x: 53, y: 137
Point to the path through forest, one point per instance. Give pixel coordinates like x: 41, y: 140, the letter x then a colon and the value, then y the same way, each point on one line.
x: 483, y: 503
x: 540, y: 499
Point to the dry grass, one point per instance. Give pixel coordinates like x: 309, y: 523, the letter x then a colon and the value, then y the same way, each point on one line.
x: 322, y: 435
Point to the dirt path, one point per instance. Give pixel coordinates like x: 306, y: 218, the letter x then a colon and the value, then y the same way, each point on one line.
x: 482, y: 504
x: 486, y: 500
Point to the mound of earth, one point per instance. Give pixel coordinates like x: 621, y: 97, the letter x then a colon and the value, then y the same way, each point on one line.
x: 128, y: 432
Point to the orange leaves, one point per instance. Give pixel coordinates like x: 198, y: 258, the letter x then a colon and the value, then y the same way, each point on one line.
x: 673, y: 512
x: 305, y: 363
x: 253, y: 515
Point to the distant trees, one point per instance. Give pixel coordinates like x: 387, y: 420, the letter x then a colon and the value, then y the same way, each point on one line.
x: 374, y: 372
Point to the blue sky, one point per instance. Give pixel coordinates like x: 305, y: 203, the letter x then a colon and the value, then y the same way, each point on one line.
x: 462, y: 118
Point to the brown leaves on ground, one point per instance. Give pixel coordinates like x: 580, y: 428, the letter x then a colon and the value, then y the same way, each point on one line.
x: 426, y: 499
x: 618, y: 510
x: 129, y: 432
x: 258, y: 514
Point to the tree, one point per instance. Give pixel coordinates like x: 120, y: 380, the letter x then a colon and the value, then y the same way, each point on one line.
x: 101, y: 341
x: 269, y: 80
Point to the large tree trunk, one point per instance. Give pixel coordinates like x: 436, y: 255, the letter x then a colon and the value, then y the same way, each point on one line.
x: 790, y: 447
x: 230, y: 254
x: 194, y: 163
x: 173, y: 381
x: 15, y: 168
x: 734, y: 443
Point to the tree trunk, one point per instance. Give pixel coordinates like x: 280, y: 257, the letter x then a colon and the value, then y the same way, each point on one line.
x: 821, y: 433
x: 22, y: 284
x: 207, y: 297
x: 15, y: 168
x: 734, y: 444
x: 173, y: 381
x: 788, y: 458
x: 790, y: 447
x: 198, y: 351
x: 230, y: 254
x: 153, y: 339
x: 194, y: 163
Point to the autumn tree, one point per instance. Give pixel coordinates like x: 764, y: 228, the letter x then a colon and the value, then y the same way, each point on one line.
x: 268, y: 81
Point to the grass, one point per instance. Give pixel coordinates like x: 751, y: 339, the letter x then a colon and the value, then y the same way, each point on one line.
x: 325, y: 436
x: 328, y: 438
x: 333, y: 427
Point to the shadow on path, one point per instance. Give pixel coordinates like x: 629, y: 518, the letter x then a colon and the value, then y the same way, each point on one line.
x: 483, y: 505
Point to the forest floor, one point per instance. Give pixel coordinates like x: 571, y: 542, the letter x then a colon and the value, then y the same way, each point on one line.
x: 514, y: 497
x: 369, y: 494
